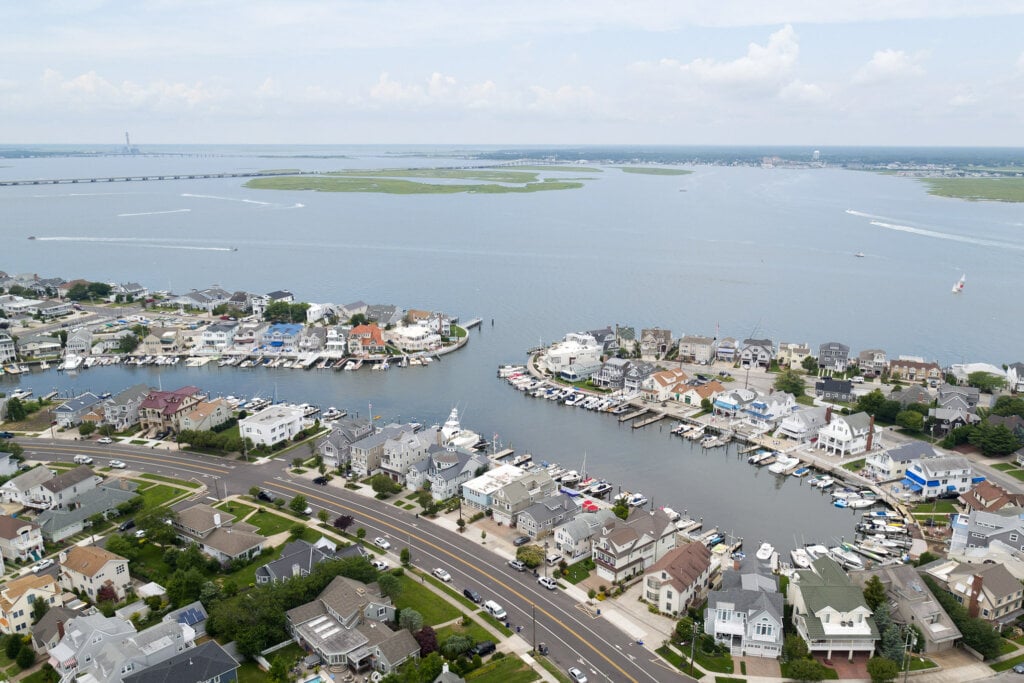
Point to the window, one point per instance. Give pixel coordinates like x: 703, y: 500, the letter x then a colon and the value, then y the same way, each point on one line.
x: 121, y: 569
x: 984, y: 612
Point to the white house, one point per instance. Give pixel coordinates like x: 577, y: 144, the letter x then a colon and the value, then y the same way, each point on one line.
x: 218, y: 336
x: 623, y: 549
x: 746, y: 613
x: 664, y: 385
x: 272, y: 425
x: 89, y: 568
x: 768, y: 411
x: 679, y: 579
x: 17, y: 597
x: 573, y: 538
x: 802, y: 425
x: 757, y: 353
x: 940, y: 475
x: 829, y: 611
x: 893, y: 463
x: 846, y: 434
x: 576, y: 350
x: 20, y: 539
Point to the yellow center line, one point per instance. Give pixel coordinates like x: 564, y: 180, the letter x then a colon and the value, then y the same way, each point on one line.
x: 169, y: 461
x: 458, y: 558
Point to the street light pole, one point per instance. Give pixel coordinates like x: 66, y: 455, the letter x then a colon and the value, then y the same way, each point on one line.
x: 533, y: 612
x: 910, y: 642
x: 693, y: 642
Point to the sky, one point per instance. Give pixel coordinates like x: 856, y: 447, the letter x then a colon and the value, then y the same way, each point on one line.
x: 672, y: 72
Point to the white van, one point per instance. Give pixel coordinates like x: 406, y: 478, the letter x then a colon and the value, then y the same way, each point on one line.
x: 495, y: 610
x: 83, y: 459
x: 552, y: 559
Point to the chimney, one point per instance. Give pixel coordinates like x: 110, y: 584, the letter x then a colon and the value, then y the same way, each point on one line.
x: 60, y: 629
x: 296, y: 570
x: 216, y: 520
x: 871, y: 432
x: 972, y: 605
x: 828, y: 415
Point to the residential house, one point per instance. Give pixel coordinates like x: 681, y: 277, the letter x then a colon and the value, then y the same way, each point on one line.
x: 624, y: 549
x: 913, y: 604
x: 383, y: 314
x: 312, y: 339
x: 161, y: 411
x: 765, y: 413
x: 246, y: 335
x: 90, y: 568
x: 696, y: 349
x: 206, y: 663
x: 79, y: 342
x: 757, y: 353
x: 129, y: 291
x: 20, y: 539
x: 41, y: 347
x: 22, y: 489
x: 981, y: 529
x: 655, y: 343
x: 954, y: 396
x: 626, y: 336
x: 54, y: 309
x: 872, y: 362
x: 366, y: 340
x: 206, y: 415
x: 547, y: 513
x: 941, y: 475
x: 576, y: 355
x: 913, y: 370
x: 8, y: 466
x: 802, y: 425
x: 404, y: 449
x: 70, y: 413
x: 345, y: 624
x: 679, y: 579
x: 791, y: 355
x: 663, y: 386
x: 845, y: 435
x: 913, y: 394
x: 162, y: 341
x: 366, y: 455
x: 479, y: 491
x: 833, y: 357
x: 217, y: 534
x: 732, y: 403
x: 694, y: 395
x: 273, y: 425
x: 989, y: 497
x: 58, y: 524
x: 336, y: 343
x: 411, y: 338
x: 829, y: 611
x: 944, y: 420
x: 622, y: 373
x: 963, y: 371
x: 348, y: 311
x: 392, y: 653
x: 446, y: 469
x: 63, y: 491
x: 205, y: 300
x: 18, y: 596
x: 828, y: 389
x: 98, y: 649
x: 1014, y: 377
x: 573, y: 538
x: 516, y: 495
x: 987, y: 591
x: 48, y: 631
x: 745, y: 614
x: 297, y: 559
x: 334, y: 448
x: 8, y: 351
x: 193, y: 614
x: 607, y: 338
x: 218, y: 337
x: 892, y: 464
x: 122, y: 410
x: 727, y: 350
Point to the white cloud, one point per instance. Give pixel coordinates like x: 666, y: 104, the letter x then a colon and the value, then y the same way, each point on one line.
x: 91, y: 92
x: 762, y: 65
x: 889, y: 65
x: 803, y: 93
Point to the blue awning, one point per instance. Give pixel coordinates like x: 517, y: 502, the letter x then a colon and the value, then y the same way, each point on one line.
x: 951, y: 488
x: 976, y: 480
x: 277, y: 343
x: 912, y: 485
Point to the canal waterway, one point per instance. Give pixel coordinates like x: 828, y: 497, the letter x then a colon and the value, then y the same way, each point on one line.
x: 743, y: 251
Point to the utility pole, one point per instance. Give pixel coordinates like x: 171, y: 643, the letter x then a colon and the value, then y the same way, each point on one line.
x: 910, y: 642
x: 693, y: 642
x: 533, y: 611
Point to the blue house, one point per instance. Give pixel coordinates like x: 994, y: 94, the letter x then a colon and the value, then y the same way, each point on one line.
x: 282, y: 334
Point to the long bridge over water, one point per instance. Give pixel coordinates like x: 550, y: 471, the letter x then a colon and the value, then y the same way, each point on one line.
x: 147, y: 176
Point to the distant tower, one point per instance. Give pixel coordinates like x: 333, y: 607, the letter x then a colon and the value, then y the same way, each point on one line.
x: 127, y: 141
x: 816, y: 156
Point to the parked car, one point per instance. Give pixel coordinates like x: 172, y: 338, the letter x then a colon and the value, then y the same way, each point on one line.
x: 117, y: 464
x: 521, y: 540
x: 320, y: 481
x: 443, y: 575
x: 472, y: 595
x: 42, y: 564
x: 577, y: 676
x: 6, y: 435
x: 518, y: 565
x: 141, y: 533
x: 380, y: 565
x: 126, y: 525
x: 1018, y: 669
x: 308, y: 510
x: 105, y: 439
x: 382, y: 543
x: 547, y: 582
x: 483, y: 648
x: 265, y: 496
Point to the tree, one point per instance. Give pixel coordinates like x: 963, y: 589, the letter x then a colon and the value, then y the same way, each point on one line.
x: 410, y: 620
x: 874, y: 592
x: 26, y: 658
x: 427, y: 639
x: 254, y: 491
x: 911, y: 420
x: 323, y: 516
x: 157, y: 525
x: 807, y: 670
x: 280, y: 668
x: 16, y: 410
x: 127, y: 343
x: 986, y: 382
x: 343, y: 522
x: 184, y: 586
x: 531, y: 555
x: 384, y: 485
x: 106, y: 593
x: 461, y: 523
x: 298, y: 504
x: 357, y: 319
x: 882, y: 670
x: 86, y: 428
x: 621, y: 510
x: 455, y: 646
x: 389, y: 584
x: 13, y: 645
x: 405, y: 557
x: 810, y: 365
x: 994, y: 440
x: 871, y: 402
x: 360, y: 533
x: 39, y: 610
x: 793, y: 648
x: 790, y: 382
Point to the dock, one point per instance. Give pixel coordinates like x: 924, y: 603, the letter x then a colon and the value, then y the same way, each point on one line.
x: 475, y: 322
x: 501, y: 455
x: 649, y: 420
x: 629, y: 416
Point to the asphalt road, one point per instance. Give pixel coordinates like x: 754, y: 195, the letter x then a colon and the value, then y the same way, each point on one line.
x: 574, y: 636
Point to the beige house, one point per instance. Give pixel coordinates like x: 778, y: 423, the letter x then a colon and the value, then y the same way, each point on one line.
x: 162, y: 341
x: 18, y: 596
x: 20, y: 539
x: 623, y: 549
x: 662, y: 386
x: 206, y: 415
x: 90, y: 568
x: 679, y: 579
x: 792, y: 355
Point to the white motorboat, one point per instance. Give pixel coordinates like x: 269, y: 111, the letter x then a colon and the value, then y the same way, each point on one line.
x: 859, y: 503
x: 825, y: 482
x: 765, y: 552
x: 846, y: 558
x: 672, y: 514
x: 570, y: 477
x: 816, y: 551
x: 600, y: 488
x: 801, y: 558
x: 844, y: 494
x: 636, y: 500
x: 783, y: 464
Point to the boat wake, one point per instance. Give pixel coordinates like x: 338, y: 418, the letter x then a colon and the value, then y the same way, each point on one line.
x: 272, y: 205
x: 135, y: 242
x: 152, y: 213
x: 883, y: 222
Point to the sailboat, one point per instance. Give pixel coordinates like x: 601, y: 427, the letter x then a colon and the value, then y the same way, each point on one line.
x: 958, y: 286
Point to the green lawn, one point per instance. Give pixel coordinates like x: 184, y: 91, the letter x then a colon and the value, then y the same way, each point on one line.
x: 270, y: 523
x: 945, y: 506
x: 495, y: 623
x: 854, y: 465
x: 681, y: 663
x: 921, y: 663
x: 552, y: 669
x: 474, y: 631
x: 239, y: 510
x: 420, y: 598
x: 977, y: 189
x: 509, y: 669
x: 250, y: 672
x: 1006, y: 647
x: 719, y: 663
x: 158, y: 495
x: 830, y: 673
x: 170, y: 480
x: 578, y: 572
x: 1017, y: 474
x: 1007, y: 664
x: 36, y: 677
x: 447, y: 588
x: 646, y: 170
x: 1004, y: 466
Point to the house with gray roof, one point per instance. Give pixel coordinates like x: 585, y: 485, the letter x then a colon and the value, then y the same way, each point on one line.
x: 383, y: 314
x: 22, y: 488
x: 625, y: 548
x: 607, y: 338
x: 57, y: 524
x: 79, y: 342
x: 829, y: 611
x: 655, y: 343
x: 746, y: 612
x: 546, y: 514
x: 405, y: 449
x: 395, y: 651
x: 982, y: 528
x: 217, y: 534
x: 802, y: 425
x: 206, y: 663
x: 948, y: 394
x: 757, y: 353
x: 941, y: 475
x: 988, y: 591
x: 345, y: 624
x: 62, y: 491
x: 828, y: 389
x: 193, y: 614
x: 70, y: 413
x: 511, y: 499
x: 622, y: 373
x: 845, y: 435
x: 447, y: 469
x: 121, y: 411
x: 696, y: 349
x: 48, y: 631
x: 366, y: 454
x: 297, y: 559
x: 911, y: 395
x: 335, y: 446
x: 833, y: 357
x: 573, y: 538
x: 892, y: 464
x: 913, y: 603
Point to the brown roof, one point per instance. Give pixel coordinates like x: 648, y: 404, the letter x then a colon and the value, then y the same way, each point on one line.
x: 684, y: 565
x: 88, y: 560
x: 16, y: 588
x: 990, y: 497
x: 204, y: 409
x: 10, y: 527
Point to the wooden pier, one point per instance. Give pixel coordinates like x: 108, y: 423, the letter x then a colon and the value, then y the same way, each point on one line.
x: 649, y: 420
x: 629, y: 416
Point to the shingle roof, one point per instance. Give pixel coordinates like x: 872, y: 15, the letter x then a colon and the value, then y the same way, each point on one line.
x: 88, y: 560
x: 684, y: 565
x: 68, y: 479
x: 201, y: 663
x: 11, y: 526
x: 398, y: 647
